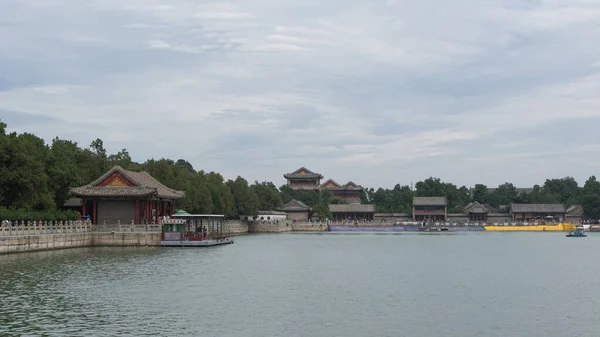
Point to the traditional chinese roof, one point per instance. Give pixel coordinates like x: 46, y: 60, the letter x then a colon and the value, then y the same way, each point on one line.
x: 429, y: 201
x: 476, y: 207
x: 575, y: 210
x: 353, y: 208
x: 332, y: 185
x: 352, y: 186
x: 271, y: 212
x: 295, y: 206
x: 120, y: 183
x: 303, y: 173
x: 537, y: 208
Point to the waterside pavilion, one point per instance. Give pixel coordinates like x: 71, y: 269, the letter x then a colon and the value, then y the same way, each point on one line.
x: 296, y: 210
x: 527, y: 212
x: 353, y: 212
x: 126, y: 196
x: 429, y: 209
x: 478, y: 212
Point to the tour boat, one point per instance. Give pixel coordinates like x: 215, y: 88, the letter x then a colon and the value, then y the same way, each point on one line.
x: 194, y: 230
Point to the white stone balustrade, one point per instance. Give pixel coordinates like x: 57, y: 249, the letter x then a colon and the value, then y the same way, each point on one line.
x: 44, y: 227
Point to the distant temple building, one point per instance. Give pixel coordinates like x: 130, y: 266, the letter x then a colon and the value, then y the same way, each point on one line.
x: 429, y: 209
x: 350, y: 192
x: 126, y: 196
x: 296, y: 210
x: 352, y: 212
x: 478, y: 212
x: 305, y: 179
x: 528, y: 212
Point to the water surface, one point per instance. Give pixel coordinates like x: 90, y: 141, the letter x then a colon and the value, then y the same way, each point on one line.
x: 329, y: 284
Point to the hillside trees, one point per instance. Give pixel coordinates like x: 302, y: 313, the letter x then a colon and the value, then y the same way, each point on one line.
x: 35, y: 176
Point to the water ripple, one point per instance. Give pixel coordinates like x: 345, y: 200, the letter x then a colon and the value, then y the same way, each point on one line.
x: 491, y: 284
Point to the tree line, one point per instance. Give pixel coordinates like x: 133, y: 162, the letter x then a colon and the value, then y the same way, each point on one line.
x: 554, y: 191
x: 36, y: 177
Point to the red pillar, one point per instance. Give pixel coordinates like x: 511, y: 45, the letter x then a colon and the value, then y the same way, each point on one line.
x: 148, y: 210
x: 137, y: 212
x: 84, y: 210
x: 172, y: 208
x: 94, y: 221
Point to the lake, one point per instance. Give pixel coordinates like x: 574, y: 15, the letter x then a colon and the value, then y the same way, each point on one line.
x: 322, y: 284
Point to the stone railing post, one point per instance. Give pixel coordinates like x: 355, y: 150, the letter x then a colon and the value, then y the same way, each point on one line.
x: 2, y: 228
x: 118, y: 225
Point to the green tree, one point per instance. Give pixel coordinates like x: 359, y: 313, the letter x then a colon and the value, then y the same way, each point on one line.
x: 246, y: 200
x: 121, y: 158
x: 480, y: 193
x: 321, y: 212
x: 591, y: 198
x: 269, y: 198
x: 23, y: 172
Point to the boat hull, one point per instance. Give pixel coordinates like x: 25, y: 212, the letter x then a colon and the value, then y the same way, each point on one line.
x: 199, y: 243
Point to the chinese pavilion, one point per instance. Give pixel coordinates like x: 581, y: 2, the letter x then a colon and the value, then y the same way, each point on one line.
x: 529, y: 212
x: 429, y: 209
x: 126, y: 196
x: 477, y: 211
x: 303, y: 179
x: 349, y: 192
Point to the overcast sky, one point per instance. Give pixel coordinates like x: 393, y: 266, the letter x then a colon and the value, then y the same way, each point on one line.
x: 377, y: 92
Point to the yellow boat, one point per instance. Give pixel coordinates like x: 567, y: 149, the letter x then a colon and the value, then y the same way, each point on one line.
x: 561, y: 227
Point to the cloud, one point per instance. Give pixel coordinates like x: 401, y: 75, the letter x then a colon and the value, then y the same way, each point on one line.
x: 379, y: 92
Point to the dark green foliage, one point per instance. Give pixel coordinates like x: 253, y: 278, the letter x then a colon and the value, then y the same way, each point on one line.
x: 14, y: 214
x: 321, y: 212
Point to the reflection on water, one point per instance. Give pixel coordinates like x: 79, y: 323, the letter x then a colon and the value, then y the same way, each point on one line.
x: 436, y: 284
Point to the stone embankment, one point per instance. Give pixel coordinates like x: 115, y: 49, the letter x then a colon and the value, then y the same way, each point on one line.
x: 36, y: 236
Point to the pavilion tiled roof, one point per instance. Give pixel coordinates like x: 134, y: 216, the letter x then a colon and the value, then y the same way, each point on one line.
x: 537, y: 208
x: 295, y: 206
x: 144, y: 186
x: 429, y: 201
x: 476, y: 207
x: 352, y: 208
x: 575, y: 210
x: 350, y: 186
x: 303, y: 172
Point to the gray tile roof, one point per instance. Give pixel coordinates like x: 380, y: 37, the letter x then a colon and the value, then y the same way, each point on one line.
x: 308, y: 174
x: 145, y: 186
x: 429, y: 201
x: 358, y: 208
x: 537, y: 208
x: 476, y: 207
x: 271, y: 213
x: 295, y: 206
x: 575, y: 210
x: 349, y: 186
